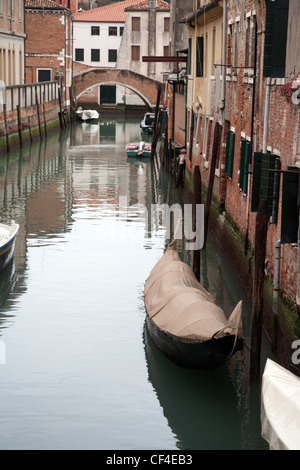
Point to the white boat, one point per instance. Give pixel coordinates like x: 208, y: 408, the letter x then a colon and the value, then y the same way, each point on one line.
x: 280, y: 407
x: 87, y: 114
x: 8, y: 235
x: 147, y: 123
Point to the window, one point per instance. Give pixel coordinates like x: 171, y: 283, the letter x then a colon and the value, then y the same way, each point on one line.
x: 95, y: 55
x: 213, y: 53
x: 136, y: 23
x: 95, y: 30
x: 112, y: 55
x: 276, y: 38
x: 229, y: 153
x: 121, y: 30
x: 236, y: 47
x: 189, y: 64
x: 289, y: 211
x: 199, y: 61
x: 135, y: 52
x: 245, y: 155
x: 166, y: 25
x: 44, y: 75
x: 79, y: 55
x: 247, y: 44
x: 265, y: 183
x: 166, y: 51
x: 9, y: 8
x: 20, y: 10
x: 112, y: 31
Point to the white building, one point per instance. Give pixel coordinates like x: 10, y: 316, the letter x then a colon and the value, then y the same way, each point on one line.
x: 118, y: 35
x: 146, y: 33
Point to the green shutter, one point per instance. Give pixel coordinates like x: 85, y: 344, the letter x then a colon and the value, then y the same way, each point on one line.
x: 229, y: 153
x: 257, y: 159
x: 276, y: 38
x: 199, y: 57
x: 289, y: 211
x: 245, y: 154
x: 276, y: 189
x: 189, y: 64
x: 263, y: 183
x: 267, y: 180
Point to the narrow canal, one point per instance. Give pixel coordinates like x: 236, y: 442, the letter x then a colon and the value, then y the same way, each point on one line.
x: 78, y: 370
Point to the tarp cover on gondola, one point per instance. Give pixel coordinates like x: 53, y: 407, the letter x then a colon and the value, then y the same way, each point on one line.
x: 280, y: 407
x: 178, y: 305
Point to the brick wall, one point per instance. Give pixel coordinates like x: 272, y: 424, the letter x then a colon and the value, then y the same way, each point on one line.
x: 48, y: 46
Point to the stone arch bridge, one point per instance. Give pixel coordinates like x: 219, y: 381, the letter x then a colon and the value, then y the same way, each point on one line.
x: 146, y: 88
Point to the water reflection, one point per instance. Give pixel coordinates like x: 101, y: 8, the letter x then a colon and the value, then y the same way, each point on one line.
x: 72, y: 311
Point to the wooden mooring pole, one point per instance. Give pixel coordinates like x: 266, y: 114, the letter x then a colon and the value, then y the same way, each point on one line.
x: 19, y: 125
x: 38, y: 113
x: 6, y: 128
x: 211, y: 178
x: 197, y: 200
x: 261, y: 231
x: 156, y: 123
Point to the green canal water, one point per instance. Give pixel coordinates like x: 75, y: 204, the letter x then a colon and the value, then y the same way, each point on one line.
x: 77, y: 369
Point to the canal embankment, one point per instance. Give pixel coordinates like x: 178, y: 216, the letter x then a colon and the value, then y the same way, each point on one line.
x: 28, y: 112
x: 282, y: 326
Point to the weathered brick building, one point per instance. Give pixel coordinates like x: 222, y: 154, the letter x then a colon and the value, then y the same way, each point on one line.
x: 244, y: 61
x: 49, y: 42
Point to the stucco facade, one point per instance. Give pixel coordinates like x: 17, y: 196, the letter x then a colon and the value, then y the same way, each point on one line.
x: 146, y: 33
x: 12, y: 40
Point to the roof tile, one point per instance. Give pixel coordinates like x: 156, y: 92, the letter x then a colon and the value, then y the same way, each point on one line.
x: 47, y: 4
x: 116, y: 12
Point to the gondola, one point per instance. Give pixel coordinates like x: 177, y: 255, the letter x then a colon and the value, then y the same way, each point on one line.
x: 8, y: 235
x: 183, y: 319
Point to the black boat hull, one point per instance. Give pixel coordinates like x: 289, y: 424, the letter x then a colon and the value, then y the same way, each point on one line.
x: 6, y: 253
x: 194, y: 355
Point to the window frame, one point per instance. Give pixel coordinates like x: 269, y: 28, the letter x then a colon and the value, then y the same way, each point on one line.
x: 77, y: 52
x: 93, y: 52
x: 113, y: 31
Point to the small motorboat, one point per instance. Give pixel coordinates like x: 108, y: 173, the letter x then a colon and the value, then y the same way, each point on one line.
x: 8, y: 235
x: 183, y: 319
x: 139, y: 149
x: 147, y: 123
x: 280, y: 407
x: 87, y: 114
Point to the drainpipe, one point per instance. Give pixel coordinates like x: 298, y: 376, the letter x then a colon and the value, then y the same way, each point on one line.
x: 266, y: 116
x: 276, y: 295
x: 222, y: 107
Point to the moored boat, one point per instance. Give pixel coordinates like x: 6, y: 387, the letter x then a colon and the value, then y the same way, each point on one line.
x: 138, y: 149
x: 8, y: 235
x: 183, y: 319
x: 280, y: 407
x: 147, y: 123
x: 87, y: 114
